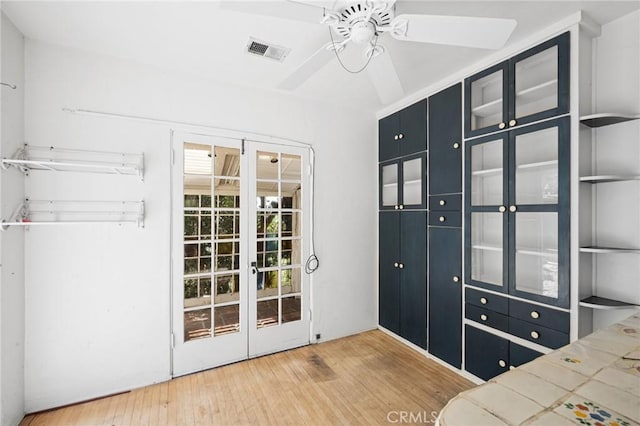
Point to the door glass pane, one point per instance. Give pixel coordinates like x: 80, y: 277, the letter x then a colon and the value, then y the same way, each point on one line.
x: 537, y: 253
x: 487, y: 174
x: 486, y: 101
x: 227, y: 288
x: 291, y: 167
x: 390, y: 185
x: 197, y: 324
x: 291, y: 309
x: 486, y: 247
x: 267, y: 165
x: 290, y: 197
x: 267, y: 313
x: 226, y: 319
x: 537, y: 83
x: 537, y: 167
x: 412, y: 182
x: 290, y: 280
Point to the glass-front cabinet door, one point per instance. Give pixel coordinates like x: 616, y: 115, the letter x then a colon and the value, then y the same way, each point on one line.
x: 539, y: 212
x: 517, y: 212
x: 539, y: 82
x: 403, y: 183
x: 486, y: 101
x: 485, y: 231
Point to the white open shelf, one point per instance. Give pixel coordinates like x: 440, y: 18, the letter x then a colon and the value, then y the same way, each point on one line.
x: 70, y: 160
x: 608, y: 178
x: 595, y: 302
x: 606, y: 119
x: 592, y: 249
x: 50, y: 212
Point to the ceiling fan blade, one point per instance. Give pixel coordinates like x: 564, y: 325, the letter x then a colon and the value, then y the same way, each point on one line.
x: 309, y: 67
x: 384, y: 77
x: 485, y: 33
x: 292, y: 10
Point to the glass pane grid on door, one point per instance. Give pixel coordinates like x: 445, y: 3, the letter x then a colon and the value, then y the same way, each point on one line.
x: 211, y: 241
x: 278, y: 238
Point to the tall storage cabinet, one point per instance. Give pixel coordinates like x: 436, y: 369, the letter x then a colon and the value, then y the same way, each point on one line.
x: 445, y: 232
x: 403, y: 223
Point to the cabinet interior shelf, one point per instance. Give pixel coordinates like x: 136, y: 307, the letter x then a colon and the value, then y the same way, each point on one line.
x: 595, y: 302
x: 487, y: 171
x: 608, y: 178
x: 606, y: 119
x: 540, y: 164
x: 388, y: 185
x: 50, y: 212
x: 593, y: 249
x: 488, y: 109
x: 486, y: 247
x: 69, y: 160
x: 412, y: 181
x: 542, y: 90
x: 538, y: 252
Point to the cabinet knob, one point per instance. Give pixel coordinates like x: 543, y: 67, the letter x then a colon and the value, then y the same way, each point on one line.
x: 502, y: 125
x: 401, y: 206
x: 400, y: 136
x: 512, y: 209
x: 502, y: 209
x: 483, y: 300
x: 442, y: 202
x: 512, y: 123
x: 535, y: 334
x: 395, y: 137
x: 535, y: 314
x: 442, y: 218
x: 395, y: 264
x: 456, y: 279
x: 456, y: 145
x: 401, y: 266
x: 483, y: 317
x: 502, y: 364
x: 395, y: 207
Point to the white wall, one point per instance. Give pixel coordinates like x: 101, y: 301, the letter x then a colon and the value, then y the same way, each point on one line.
x: 97, y: 303
x: 617, y: 150
x: 11, y: 240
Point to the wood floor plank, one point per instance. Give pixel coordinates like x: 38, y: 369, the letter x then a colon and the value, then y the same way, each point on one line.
x: 355, y: 380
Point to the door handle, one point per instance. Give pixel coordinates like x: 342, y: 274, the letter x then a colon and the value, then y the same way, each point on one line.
x: 254, y: 268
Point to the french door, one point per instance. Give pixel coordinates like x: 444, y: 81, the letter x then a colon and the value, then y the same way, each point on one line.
x: 240, y: 218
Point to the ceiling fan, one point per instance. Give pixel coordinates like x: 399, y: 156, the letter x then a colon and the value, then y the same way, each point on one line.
x: 363, y: 22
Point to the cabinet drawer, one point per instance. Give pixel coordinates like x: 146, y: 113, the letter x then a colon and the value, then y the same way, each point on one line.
x: 445, y: 202
x: 487, y: 300
x: 487, y: 317
x: 519, y: 355
x: 445, y: 218
x: 539, y: 315
x: 538, y: 334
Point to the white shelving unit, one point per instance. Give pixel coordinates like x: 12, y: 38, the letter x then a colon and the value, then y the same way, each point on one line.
x: 69, y: 160
x: 595, y: 301
x: 66, y: 212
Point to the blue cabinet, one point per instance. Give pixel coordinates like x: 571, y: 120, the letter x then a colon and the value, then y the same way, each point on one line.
x: 403, y: 133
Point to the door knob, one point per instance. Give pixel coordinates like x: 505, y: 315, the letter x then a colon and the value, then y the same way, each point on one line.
x: 254, y: 268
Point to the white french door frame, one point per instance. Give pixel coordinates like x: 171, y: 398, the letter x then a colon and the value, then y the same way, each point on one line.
x: 249, y: 341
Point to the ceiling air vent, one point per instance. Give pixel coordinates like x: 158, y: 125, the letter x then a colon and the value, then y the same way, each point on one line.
x: 271, y: 51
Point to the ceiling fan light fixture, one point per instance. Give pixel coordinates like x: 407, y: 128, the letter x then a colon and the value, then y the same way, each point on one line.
x: 362, y: 32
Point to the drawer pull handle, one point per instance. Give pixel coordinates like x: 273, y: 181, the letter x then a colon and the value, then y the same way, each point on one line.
x: 456, y: 279
x: 483, y: 317
x: 502, y: 364
x: 535, y: 314
x: 443, y: 202
x: 483, y: 300
x: 535, y: 334
x: 502, y: 125
x: 442, y: 219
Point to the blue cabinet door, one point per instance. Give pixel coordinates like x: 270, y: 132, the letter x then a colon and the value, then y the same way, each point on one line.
x: 445, y: 141
x: 389, y: 273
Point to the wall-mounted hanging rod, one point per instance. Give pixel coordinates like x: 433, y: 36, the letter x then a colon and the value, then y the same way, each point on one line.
x: 13, y: 86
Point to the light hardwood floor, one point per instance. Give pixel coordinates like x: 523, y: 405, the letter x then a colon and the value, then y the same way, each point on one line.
x: 368, y: 379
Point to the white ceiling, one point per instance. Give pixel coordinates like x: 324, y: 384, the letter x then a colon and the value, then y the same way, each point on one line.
x: 205, y: 39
